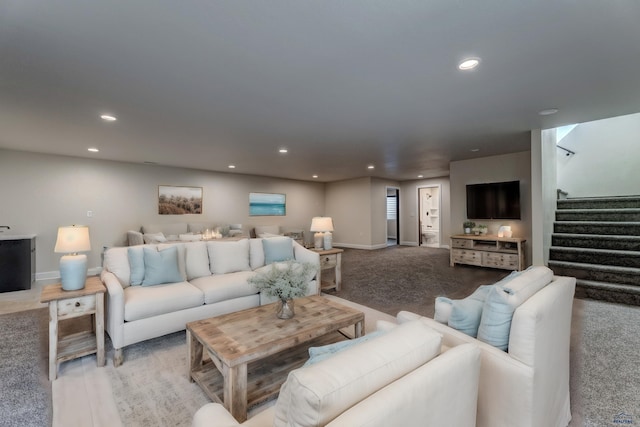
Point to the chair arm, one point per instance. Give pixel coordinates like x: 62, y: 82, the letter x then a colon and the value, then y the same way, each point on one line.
x: 213, y: 415
x: 114, y: 322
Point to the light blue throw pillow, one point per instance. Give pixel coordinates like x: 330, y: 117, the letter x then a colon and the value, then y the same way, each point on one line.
x: 161, y: 267
x: 466, y: 313
x: 136, y: 265
x: 277, y: 249
x: 318, y: 354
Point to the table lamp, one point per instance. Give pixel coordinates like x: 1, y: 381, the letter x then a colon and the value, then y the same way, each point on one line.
x: 73, y: 266
x: 323, y: 226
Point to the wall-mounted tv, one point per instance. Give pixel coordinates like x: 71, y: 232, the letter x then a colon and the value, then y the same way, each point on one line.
x: 495, y: 200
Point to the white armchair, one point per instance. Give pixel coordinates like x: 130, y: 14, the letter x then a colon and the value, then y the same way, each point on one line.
x: 528, y: 386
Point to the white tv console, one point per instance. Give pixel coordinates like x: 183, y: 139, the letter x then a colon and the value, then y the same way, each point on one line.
x: 488, y: 251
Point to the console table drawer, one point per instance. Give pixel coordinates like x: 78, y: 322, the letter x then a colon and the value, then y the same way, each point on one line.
x: 462, y: 243
x: 466, y: 257
x: 328, y: 261
x: 498, y: 260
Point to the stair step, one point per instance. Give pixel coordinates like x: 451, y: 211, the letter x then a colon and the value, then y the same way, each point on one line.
x: 596, y: 241
x: 596, y: 256
x: 611, y: 292
x: 597, y: 227
x: 603, y: 215
x: 600, y: 202
x: 595, y: 272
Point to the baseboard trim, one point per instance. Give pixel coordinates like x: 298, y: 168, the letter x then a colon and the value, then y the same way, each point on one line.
x: 365, y: 247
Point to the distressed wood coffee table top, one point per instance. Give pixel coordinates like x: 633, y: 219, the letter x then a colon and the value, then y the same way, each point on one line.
x: 234, y: 340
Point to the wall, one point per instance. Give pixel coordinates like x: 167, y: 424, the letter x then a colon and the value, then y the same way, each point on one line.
x: 543, y: 193
x: 409, y: 210
x: 607, y: 159
x: 348, y: 203
x: 41, y: 192
x: 508, y: 167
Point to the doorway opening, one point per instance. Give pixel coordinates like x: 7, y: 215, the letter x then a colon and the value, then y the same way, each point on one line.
x: 429, y: 216
x: 393, y: 216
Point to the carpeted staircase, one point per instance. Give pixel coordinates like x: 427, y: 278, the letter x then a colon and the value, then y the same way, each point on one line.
x: 597, y: 241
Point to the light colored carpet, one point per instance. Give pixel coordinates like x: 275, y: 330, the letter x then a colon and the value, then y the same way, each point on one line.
x: 150, y: 389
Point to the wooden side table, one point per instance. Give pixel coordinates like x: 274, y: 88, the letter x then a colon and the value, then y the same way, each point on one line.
x: 331, y: 259
x: 67, y: 305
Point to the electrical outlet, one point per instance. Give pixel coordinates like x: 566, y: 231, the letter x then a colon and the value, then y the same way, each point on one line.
x: 89, y: 214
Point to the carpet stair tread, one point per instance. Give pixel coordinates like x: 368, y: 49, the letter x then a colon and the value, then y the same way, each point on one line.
x: 596, y: 241
x: 596, y: 267
x: 600, y: 202
x: 609, y: 286
x: 602, y: 215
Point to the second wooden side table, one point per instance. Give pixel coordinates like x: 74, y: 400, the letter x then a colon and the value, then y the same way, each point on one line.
x: 330, y: 259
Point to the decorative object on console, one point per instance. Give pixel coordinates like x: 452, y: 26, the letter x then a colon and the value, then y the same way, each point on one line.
x: 468, y: 226
x: 284, y: 281
x: 267, y: 204
x: 174, y: 200
x: 73, y: 266
x: 320, y: 225
x: 505, y: 231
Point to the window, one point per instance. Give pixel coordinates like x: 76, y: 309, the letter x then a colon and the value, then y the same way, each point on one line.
x: 392, y: 212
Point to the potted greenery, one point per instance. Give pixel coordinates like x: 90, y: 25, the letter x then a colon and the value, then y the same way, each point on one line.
x: 482, y: 228
x: 285, y: 281
x: 468, y: 226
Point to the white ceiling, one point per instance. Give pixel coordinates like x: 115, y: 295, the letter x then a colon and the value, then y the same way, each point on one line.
x: 340, y: 83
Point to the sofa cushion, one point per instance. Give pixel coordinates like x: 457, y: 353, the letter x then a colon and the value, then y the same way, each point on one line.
x: 256, y: 253
x: 222, y: 287
x: 442, y: 310
x: 136, y: 265
x: 151, y: 238
x: 267, y: 230
x: 161, y: 266
x: 315, y: 395
x: 504, y: 299
x: 200, y: 227
x: 277, y: 249
x: 228, y: 256
x: 116, y: 261
x: 141, y: 302
x: 190, y: 237
x: 197, y: 260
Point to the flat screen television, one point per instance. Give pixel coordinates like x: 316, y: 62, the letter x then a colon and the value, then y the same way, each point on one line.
x: 495, y: 200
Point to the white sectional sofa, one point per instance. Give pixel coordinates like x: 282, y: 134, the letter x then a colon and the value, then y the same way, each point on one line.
x: 398, y: 378
x: 205, y: 279
x: 527, y: 385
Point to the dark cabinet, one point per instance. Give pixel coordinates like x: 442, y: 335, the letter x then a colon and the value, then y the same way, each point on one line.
x: 17, y: 263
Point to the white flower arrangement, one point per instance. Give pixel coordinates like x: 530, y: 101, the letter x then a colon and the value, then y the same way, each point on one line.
x: 285, y: 280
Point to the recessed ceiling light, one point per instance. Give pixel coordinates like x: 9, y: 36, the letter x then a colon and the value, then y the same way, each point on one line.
x: 371, y: 167
x: 469, y: 64
x: 232, y: 166
x: 420, y: 176
x: 474, y: 150
x: 108, y: 118
x: 548, y: 111
x: 93, y: 150
x: 283, y: 150
x: 314, y: 176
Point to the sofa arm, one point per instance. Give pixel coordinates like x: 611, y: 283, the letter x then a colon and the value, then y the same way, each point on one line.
x: 114, y: 322
x: 134, y: 238
x: 213, y: 415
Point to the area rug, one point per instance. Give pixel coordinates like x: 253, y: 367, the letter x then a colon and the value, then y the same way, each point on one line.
x: 151, y: 387
x: 25, y: 391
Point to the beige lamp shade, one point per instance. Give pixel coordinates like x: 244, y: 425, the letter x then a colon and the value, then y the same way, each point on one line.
x: 321, y: 223
x: 73, y: 239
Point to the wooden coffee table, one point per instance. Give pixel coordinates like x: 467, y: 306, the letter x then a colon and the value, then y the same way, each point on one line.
x: 251, y: 351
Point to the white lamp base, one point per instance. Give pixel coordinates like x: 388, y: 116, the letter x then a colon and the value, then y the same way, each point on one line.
x: 317, y: 240
x: 73, y: 272
x: 328, y: 240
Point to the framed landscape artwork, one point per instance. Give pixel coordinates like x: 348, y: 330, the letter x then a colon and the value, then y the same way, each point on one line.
x: 267, y: 204
x: 177, y: 200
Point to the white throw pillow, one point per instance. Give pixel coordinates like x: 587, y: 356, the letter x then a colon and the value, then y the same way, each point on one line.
x: 197, y: 260
x: 228, y: 256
